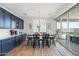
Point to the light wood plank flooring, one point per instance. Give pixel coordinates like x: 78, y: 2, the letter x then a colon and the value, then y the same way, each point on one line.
x: 27, y: 50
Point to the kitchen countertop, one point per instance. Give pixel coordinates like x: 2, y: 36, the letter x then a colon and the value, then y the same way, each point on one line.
x: 9, y: 36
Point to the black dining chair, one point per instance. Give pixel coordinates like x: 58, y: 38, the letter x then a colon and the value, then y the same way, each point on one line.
x: 36, y: 40
x: 29, y: 37
x: 45, y: 39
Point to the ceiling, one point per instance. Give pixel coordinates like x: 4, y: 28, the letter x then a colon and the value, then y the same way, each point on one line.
x: 25, y: 10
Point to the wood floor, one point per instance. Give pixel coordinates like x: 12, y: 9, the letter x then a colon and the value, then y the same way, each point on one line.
x: 27, y: 50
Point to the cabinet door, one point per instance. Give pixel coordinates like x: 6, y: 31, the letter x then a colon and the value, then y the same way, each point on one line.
x: 6, y: 45
x: 7, y: 20
x: 22, y: 24
x: 13, y: 22
x: 17, y: 41
x: 17, y: 22
x: 20, y: 39
x: 1, y: 18
x: 12, y: 42
x: 0, y: 47
x: 24, y: 37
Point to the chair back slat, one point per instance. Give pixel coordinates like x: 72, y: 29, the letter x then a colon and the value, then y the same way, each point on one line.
x: 36, y: 36
x: 45, y: 36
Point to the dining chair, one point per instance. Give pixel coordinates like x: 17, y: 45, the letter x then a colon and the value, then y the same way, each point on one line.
x: 36, y: 40
x: 45, y: 40
x: 29, y: 39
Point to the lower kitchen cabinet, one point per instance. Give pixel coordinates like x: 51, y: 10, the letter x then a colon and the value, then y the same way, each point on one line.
x: 8, y: 44
x: 24, y: 37
x: 19, y: 37
x: 0, y: 48
x: 16, y: 41
x: 12, y: 42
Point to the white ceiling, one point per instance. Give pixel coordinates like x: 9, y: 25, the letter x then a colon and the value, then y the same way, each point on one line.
x: 25, y: 10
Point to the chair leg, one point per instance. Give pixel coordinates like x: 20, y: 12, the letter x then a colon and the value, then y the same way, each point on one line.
x: 48, y: 43
x: 31, y: 42
x: 39, y: 43
x: 34, y: 43
x: 53, y: 41
x: 43, y: 43
x: 27, y: 42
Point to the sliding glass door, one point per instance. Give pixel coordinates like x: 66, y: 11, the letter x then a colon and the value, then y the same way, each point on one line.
x: 68, y: 24
x: 74, y: 29
x: 63, y: 27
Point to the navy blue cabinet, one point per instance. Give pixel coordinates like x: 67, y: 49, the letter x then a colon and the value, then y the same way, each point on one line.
x: 12, y: 42
x: 21, y: 36
x: 7, y: 18
x: 21, y: 24
x: 1, y: 18
x: 20, y: 39
x: 0, y: 48
x: 17, y: 22
x: 8, y: 44
x: 9, y: 21
x: 24, y: 37
x: 13, y: 22
x: 16, y: 41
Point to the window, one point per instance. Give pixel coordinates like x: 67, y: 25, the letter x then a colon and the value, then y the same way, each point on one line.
x: 39, y: 25
x: 73, y: 24
x: 58, y: 25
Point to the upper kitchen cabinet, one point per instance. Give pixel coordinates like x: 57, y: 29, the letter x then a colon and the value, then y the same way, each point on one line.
x: 7, y: 20
x: 10, y: 21
x: 17, y: 22
x: 1, y: 18
x: 21, y: 24
x: 13, y: 22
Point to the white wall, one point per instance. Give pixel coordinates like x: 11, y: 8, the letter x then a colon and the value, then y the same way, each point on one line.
x: 52, y: 28
x: 26, y: 26
x: 4, y: 32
